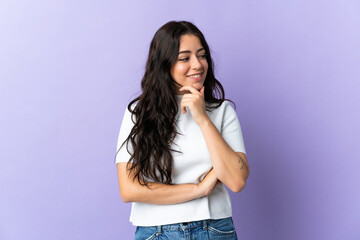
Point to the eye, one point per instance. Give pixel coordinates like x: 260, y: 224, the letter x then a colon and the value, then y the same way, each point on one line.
x: 183, y: 59
x: 203, y: 55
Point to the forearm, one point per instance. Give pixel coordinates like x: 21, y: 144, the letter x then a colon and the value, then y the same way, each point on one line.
x: 156, y: 193
x: 159, y: 193
x: 230, y: 167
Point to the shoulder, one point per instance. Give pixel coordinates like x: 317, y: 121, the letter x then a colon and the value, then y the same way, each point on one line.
x: 225, y: 106
x: 223, y: 113
x: 128, y: 116
x: 129, y: 109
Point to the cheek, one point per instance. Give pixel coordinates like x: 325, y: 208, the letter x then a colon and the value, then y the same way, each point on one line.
x: 181, y: 70
x: 205, y: 66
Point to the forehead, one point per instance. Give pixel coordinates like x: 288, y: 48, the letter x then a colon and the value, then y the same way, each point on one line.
x: 189, y: 42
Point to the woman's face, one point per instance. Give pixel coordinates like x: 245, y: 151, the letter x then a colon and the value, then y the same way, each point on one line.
x: 191, y: 65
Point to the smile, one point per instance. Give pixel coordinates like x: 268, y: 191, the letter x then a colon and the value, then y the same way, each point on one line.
x: 195, y: 76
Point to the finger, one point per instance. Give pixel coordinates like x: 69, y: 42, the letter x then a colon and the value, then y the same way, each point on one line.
x: 188, y: 96
x: 189, y: 102
x: 190, y: 89
x: 183, y: 107
x: 192, y: 97
x: 205, y: 174
x: 202, y: 90
x: 183, y: 110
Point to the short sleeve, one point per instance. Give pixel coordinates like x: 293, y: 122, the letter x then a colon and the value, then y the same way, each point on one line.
x: 231, y: 129
x: 127, y: 124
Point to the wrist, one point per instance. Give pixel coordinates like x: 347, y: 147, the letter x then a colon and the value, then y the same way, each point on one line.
x: 198, y: 190
x: 205, y: 122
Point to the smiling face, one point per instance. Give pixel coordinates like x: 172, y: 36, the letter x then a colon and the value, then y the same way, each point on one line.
x: 191, y: 66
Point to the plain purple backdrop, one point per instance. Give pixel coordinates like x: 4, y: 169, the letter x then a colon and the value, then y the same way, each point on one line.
x: 69, y: 68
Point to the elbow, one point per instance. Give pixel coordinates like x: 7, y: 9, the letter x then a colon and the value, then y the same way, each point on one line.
x: 237, y: 187
x: 126, y: 197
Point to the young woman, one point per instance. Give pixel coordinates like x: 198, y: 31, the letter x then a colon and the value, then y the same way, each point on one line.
x: 180, y: 142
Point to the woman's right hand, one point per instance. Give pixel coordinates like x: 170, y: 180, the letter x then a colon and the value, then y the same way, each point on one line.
x: 207, y: 185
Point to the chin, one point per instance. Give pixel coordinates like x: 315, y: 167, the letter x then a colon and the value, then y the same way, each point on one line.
x: 198, y: 86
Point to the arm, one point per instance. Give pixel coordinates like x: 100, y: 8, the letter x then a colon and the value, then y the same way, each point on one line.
x: 158, y: 193
x: 230, y: 167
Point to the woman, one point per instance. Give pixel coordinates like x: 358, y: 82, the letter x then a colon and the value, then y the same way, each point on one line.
x: 180, y: 142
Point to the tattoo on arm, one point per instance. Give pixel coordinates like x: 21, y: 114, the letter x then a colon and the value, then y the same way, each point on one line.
x: 242, y: 162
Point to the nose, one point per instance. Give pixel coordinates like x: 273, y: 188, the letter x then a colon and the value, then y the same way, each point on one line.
x: 195, y: 63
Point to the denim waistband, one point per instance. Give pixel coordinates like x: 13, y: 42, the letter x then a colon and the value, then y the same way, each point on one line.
x: 184, y: 225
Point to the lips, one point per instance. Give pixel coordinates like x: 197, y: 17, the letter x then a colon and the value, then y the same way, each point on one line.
x: 196, y: 76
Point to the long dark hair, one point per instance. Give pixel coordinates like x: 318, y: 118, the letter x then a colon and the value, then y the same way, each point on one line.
x: 154, y: 111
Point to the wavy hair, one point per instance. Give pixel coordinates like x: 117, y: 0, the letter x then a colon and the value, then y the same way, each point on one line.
x: 154, y: 110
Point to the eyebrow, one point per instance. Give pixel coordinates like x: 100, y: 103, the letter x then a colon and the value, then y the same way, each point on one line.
x: 187, y: 51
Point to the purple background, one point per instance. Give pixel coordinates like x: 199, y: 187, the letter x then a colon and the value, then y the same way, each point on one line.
x: 69, y: 68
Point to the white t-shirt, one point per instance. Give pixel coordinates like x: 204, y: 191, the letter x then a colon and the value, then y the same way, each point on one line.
x: 187, y: 167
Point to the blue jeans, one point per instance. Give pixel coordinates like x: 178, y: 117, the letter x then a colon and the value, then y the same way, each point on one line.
x: 199, y: 230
